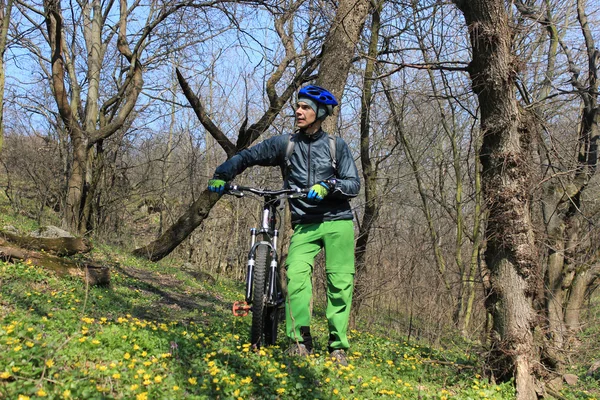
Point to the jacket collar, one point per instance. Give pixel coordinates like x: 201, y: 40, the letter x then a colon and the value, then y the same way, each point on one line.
x: 317, y: 135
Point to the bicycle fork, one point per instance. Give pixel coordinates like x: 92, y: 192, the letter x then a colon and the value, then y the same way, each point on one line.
x: 241, y: 309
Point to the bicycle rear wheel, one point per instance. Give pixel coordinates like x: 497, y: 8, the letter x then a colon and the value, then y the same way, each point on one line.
x: 259, y: 295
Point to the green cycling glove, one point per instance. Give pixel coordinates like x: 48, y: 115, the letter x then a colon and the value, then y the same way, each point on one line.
x: 216, y: 185
x: 318, y: 192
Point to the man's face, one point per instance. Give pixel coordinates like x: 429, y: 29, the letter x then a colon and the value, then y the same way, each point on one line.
x: 305, y: 115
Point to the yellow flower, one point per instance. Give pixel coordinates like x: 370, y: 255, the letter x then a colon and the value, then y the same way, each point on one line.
x: 49, y: 363
x: 41, y: 393
x: 116, y: 376
x: 281, y: 390
x: 18, y: 348
x: 158, y: 379
x: 29, y: 344
x: 193, y: 381
x: 4, y: 375
x: 66, y: 394
x: 175, y: 388
x: 335, y: 391
x: 142, y: 396
x: 23, y: 397
x: 16, y: 369
x: 127, y: 356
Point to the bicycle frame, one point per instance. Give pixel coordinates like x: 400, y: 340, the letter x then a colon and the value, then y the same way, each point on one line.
x: 263, y: 240
x: 268, y: 235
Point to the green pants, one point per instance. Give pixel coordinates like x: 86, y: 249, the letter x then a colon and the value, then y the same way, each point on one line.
x: 337, y: 238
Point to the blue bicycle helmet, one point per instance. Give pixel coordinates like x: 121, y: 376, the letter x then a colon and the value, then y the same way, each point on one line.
x: 318, y: 96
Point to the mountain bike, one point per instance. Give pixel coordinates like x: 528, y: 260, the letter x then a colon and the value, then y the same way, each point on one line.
x: 264, y: 296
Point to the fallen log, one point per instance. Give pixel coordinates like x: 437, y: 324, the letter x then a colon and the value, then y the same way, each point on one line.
x: 91, y: 272
x: 61, y: 246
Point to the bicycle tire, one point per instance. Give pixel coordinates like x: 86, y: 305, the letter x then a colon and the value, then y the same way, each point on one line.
x: 259, y: 295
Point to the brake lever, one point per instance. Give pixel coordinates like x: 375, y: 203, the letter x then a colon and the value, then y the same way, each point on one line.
x: 236, y: 193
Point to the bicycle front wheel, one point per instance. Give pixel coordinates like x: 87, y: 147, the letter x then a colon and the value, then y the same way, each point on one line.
x: 259, y: 295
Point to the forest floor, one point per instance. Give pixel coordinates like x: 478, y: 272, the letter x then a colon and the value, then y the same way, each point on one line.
x: 160, y: 331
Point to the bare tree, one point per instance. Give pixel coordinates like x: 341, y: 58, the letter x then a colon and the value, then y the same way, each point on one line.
x: 101, y: 114
x: 370, y: 170
x: 572, y: 266
x: 508, y: 179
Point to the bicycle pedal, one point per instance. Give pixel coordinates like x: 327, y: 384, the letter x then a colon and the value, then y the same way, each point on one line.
x: 240, y: 306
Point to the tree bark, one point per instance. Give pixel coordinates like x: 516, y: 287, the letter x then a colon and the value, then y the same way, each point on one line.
x: 339, y: 48
x: 507, y: 178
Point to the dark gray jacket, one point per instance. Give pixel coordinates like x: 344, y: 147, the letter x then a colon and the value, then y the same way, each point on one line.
x: 310, y: 163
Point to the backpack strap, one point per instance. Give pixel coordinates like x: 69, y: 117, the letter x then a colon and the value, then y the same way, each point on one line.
x: 289, y: 150
x: 332, y: 152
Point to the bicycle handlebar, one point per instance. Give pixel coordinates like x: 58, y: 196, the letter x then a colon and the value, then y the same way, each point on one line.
x: 237, y: 190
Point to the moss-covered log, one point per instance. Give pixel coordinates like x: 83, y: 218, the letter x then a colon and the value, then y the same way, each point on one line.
x: 60, y: 246
x: 92, y: 273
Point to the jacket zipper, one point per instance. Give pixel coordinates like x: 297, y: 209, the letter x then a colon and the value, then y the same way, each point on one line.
x: 309, y: 152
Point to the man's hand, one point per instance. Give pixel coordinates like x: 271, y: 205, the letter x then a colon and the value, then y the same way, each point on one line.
x: 216, y: 185
x: 318, y: 192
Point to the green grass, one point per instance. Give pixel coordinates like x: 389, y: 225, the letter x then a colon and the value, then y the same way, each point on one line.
x: 159, y: 333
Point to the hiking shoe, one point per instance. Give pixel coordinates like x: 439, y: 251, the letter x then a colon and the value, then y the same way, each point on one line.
x: 339, y: 356
x: 298, y: 349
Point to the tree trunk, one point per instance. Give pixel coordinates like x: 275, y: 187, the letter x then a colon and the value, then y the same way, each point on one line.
x: 507, y: 183
x: 339, y: 48
x: 5, y: 11
x: 180, y: 230
x: 370, y: 173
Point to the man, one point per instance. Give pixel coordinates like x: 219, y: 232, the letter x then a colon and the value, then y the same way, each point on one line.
x: 321, y: 220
